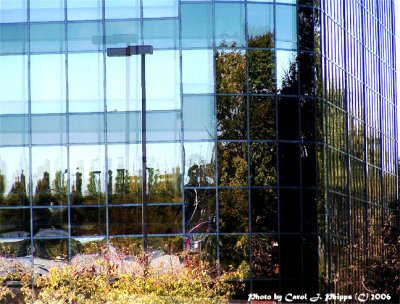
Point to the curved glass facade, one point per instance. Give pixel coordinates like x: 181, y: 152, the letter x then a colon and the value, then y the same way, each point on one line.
x: 271, y: 133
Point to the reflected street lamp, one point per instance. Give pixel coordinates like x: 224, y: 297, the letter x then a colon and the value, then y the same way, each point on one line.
x: 142, y: 50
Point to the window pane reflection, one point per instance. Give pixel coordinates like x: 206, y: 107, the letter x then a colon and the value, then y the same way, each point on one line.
x: 199, y: 164
x: 88, y: 221
x: 200, y: 209
x: 230, y: 24
x: 233, y: 210
x: 14, y: 176
x: 87, y: 174
x: 230, y: 71
x: 262, y: 118
x: 261, y: 72
x: 198, y: 117
x: 232, y: 117
x: 49, y: 176
x: 260, y: 25
x: 286, y: 29
x: 232, y: 163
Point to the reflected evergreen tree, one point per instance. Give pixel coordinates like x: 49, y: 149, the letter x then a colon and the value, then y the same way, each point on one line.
x: 2, y: 187
x: 17, y: 195
x: 43, y: 194
x: 76, y: 191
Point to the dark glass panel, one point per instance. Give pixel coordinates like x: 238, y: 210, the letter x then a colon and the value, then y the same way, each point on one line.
x: 14, y: 223
x: 260, y: 25
x: 55, y: 249
x: 307, y: 70
x: 164, y: 245
x: 262, y: 118
x: 203, y: 245
x: 231, y: 117
x: 290, y: 210
x: 233, y: 210
x: 290, y: 262
x: 125, y: 220
x: 200, y: 210
x: 289, y: 164
x: 88, y: 221
x: 308, y: 119
x: 309, y: 165
x: 199, y: 117
x: 265, y: 256
x: 288, y: 118
x: 231, y: 71
x: 12, y: 248
x: 50, y: 222
x: 14, y: 167
x: 306, y: 24
x: 165, y: 219
x: 232, y: 163
x: 199, y: 164
x: 261, y: 65
x: 264, y: 210
x: 234, y: 251
x: 309, y: 207
x: 263, y: 169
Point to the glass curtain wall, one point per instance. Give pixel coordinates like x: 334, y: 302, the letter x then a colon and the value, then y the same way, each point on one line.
x: 249, y: 152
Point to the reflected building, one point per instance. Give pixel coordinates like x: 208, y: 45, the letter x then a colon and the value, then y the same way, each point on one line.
x: 271, y: 134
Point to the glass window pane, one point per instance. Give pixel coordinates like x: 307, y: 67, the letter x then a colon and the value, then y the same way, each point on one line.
x: 12, y: 248
x: 263, y: 169
x: 233, y: 207
x: 262, y: 117
x: 123, y: 83
x: 199, y: 117
x: 289, y: 118
x: 50, y: 222
x: 261, y: 65
x: 53, y: 249
x: 260, y: 25
x: 121, y: 9
x: 49, y: 129
x: 230, y: 71
x: 124, y: 127
x: 124, y: 174
x: 86, y: 128
x: 15, y: 223
x: 125, y: 220
x: 286, y: 28
x: 163, y: 125
x: 14, y: 38
x: 49, y: 175
x: 12, y: 11
x: 234, y: 251
x: 85, y: 82
x: 162, y: 33
x: 47, y: 37
x: 264, y: 210
x: 265, y: 256
x: 87, y: 174
x: 88, y: 221
x: 197, y: 71
x: 164, y: 173
x: 84, y: 10
x: 229, y: 24
x: 85, y: 36
x: 165, y: 219
x: 46, y: 10
x: 287, y: 72
x: 160, y: 8
x: 14, y: 168
x: 14, y: 130
x: 199, y: 164
x: 232, y: 117
x: 48, y: 89
x: 197, y: 28
x: 200, y: 210
x: 13, y: 84
x: 232, y: 163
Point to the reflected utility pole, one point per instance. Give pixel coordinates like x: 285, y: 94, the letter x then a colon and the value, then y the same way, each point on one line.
x: 142, y: 50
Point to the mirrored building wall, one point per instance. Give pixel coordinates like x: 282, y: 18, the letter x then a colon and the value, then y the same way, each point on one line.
x: 258, y: 130
x: 361, y: 140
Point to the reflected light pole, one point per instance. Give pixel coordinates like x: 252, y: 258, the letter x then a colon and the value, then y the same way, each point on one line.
x: 142, y: 50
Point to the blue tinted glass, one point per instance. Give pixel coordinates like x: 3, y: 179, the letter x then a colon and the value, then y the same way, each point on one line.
x: 197, y: 25
x: 160, y: 8
x: 229, y: 24
x: 260, y: 20
x: 85, y: 36
x: 286, y: 29
x: 46, y: 10
x: 161, y: 33
x: 13, y: 11
x: 84, y: 10
x: 13, y: 38
x: 121, y: 9
x: 47, y: 37
x: 199, y: 117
